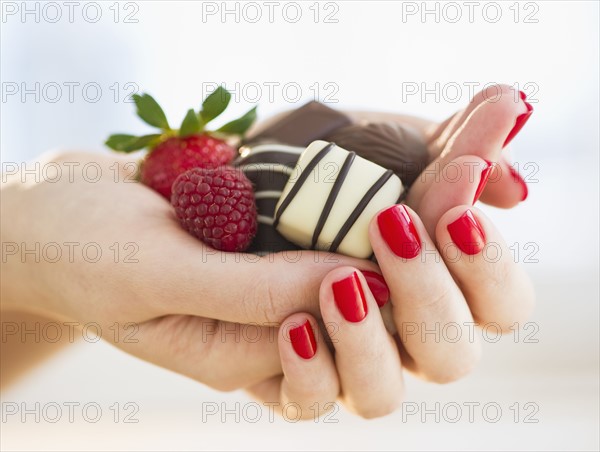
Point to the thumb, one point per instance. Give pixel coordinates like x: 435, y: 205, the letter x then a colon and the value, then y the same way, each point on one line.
x: 246, y: 288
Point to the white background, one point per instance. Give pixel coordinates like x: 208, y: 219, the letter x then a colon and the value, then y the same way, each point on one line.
x: 370, y: 54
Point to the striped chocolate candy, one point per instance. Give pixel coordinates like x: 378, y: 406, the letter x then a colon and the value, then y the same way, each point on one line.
x: 268, y: 166
x: 330, y: 198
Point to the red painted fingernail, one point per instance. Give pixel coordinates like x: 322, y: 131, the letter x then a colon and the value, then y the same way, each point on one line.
x: 520, y: 122
x: 485, y: 174
x: 467, y: 234
x: 350, y: 298
x: 378, y: 287
x: 517, y: 178
x: 399, y: 232
x: 303, y: 340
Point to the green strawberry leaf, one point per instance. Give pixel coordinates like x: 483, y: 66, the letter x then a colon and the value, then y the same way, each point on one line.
x: 241, y: 125
x: 129, y: 143
x: 214, y: 104
x: 190, y: 125
x: 150, y: 112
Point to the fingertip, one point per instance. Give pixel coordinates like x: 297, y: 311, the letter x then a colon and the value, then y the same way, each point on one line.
x: 506, y: 188
x: 299, y: 334
x: 397, y: 232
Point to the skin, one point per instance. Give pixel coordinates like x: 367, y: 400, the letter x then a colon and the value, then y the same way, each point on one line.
x: 192, y: 317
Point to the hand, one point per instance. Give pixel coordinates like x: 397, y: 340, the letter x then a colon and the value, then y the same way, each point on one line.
x: 124, y: 258
x: 435, y: 262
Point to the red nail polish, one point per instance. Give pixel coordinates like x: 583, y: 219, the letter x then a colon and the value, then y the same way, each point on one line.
x: 519, y: 123
x: 517, y: 178
x: 399, y: 232
x: 467, y: 233
x: 378, y: 287
x: 303, y: 340
x: 350, y: 298
x: 485, y: 174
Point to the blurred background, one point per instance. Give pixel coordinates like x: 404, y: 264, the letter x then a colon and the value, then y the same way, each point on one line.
x: 67, y: 71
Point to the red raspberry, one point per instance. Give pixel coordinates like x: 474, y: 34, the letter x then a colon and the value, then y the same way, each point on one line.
x: 175, y: 155
x: 216, y: 205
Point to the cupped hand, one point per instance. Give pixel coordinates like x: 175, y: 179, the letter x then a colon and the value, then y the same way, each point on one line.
x: 125, y: 260
x: 214, y: 316
x: 446, y: 266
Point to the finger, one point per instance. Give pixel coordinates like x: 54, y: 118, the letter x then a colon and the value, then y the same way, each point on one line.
x: 505, y: 186
x: 433, y: 320
x: 460, y: 182
x: 491, y: 92
x: 440, y: 135
x: 224, y: 356
x: 366, y: 356
x: 310, y: 380
x: 310, y: 385
x: 496, y: 288
x: 234, y: 287
x: 483, y: 134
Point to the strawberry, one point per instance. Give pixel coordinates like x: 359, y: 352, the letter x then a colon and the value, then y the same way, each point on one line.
x: 216, y: 205
x: 172, y: 151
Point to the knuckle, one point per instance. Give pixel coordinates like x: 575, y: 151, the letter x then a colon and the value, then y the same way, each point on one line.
x: 498, y: 275
x: 259, y: 300
x: 460, y: 369
x: 183, y: 347
x: 380, y: 410
x: 175, y: 330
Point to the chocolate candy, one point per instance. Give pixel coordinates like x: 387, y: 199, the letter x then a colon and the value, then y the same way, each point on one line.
x: 313, y: 121
x: 391, y: 145
x: 268, y: 166
x: 331, y: 197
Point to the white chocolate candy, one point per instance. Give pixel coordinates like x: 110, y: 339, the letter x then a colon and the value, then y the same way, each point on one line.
x: 330, y: 199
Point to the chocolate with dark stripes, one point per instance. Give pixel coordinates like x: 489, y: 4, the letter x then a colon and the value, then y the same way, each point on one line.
x: 331, y: 198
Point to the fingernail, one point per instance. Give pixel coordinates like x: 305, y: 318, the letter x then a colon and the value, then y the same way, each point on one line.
x: 399, y: 232
x: 378, y: 287
x: 350, y: 298
x: 521, y: 120
x: 485, y: 175
x: 467, y: 234
x: 517, y: 178
x: 303, y: 340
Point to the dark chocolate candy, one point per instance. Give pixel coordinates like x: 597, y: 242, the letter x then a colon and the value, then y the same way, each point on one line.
x: 268, y: 166
x: 313, y: 121
x: 391, y: 145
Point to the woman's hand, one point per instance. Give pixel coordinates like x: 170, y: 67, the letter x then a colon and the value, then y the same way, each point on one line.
x: 213, y: 316
x: 447, y: 268
x: 82, y: 241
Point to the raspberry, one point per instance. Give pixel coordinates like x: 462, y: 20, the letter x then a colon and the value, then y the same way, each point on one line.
x: 217, y: 206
